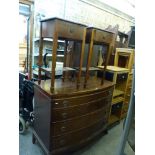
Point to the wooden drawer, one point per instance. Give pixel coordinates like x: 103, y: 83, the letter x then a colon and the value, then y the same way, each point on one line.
x: 72, y: 101
x: 75, y: 138
x: 103, y: 36
x: 81, y: 109
x: 77, y: 123
x: 70, y: 30
x: 121, y: 77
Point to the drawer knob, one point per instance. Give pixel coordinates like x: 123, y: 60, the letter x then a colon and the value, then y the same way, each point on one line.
x: 65, y: 103
x: 56, y: 103
x: 64, y: 115
x: 63, y: 128
x: 62, y: 142
x: 110, y: 92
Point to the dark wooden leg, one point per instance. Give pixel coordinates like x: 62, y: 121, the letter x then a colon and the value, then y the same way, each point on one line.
x: 33, y: 139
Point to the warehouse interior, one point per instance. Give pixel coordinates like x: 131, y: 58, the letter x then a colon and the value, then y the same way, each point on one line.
x: 76, y: 77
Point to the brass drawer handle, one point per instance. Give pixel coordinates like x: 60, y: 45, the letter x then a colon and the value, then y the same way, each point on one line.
x: 62, y: 142
x: 65, y: 103
x: 63, y: 128
x: 64, y: 115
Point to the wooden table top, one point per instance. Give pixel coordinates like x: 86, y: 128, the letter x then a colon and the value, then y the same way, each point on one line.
x: 95, y: 28
x: 57, y: 18
x: 69, y: 87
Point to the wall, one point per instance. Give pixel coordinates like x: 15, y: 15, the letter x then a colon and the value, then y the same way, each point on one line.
x: 79, y: 11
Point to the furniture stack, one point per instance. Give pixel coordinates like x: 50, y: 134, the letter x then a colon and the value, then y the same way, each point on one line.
x: 118, y: 76
x: 71, y: 112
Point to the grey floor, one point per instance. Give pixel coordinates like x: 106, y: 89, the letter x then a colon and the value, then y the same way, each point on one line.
x: 106, y: 145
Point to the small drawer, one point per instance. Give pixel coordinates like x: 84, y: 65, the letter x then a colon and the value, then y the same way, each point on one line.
x: 72, y: 101
x: 79, y: 110
x: 121, y: 77
x: 74, y: 138
x: 103, y: 36
x: 70, y: 30
x: 69, y: 125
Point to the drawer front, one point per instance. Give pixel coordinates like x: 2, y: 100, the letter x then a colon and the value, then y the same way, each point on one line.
x: 75, y: 138
x: 122, y: 77
x: 72, y: 101
x: 101, y: 36
x: 70, y: 30
x: 81, y: 109
x: 60, y: 128
x: 116, y: 108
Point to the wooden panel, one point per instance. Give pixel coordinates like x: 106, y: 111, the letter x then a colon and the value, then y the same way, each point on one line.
x: 72, y: 101
x: 81, y: 109
x: 48, y: 29
x: 41, y: 111
x: 79, y: 136
x: 62, y: 127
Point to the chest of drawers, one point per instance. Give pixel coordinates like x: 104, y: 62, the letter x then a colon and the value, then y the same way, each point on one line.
x: 65, y: 122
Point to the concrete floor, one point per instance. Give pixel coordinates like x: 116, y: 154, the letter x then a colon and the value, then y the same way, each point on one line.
x: 106, y: 145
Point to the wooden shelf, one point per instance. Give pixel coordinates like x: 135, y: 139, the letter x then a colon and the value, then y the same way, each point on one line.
x: 117, y: 92
x: 90, y: 69
x: 113, y: 119
x: 59, y: 55
x: 117, y: 100
x: 48, y: 70
x: 49, y: 39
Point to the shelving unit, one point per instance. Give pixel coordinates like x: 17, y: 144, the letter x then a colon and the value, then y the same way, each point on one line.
x: 128, y: 63
x: 119, y: 76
